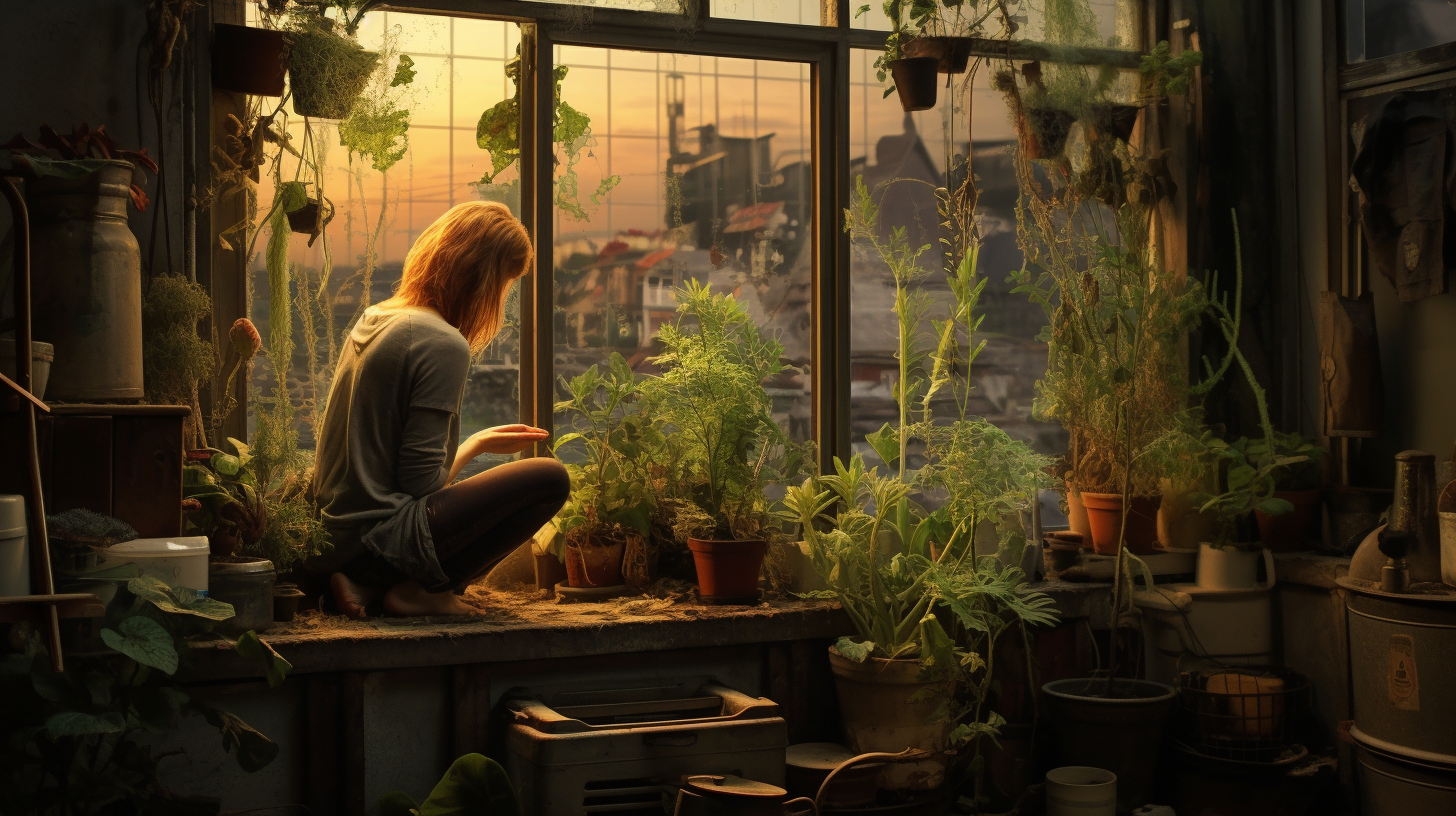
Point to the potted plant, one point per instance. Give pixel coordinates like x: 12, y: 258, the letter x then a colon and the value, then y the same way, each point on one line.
x: 711, y: 398
x: 612, y: 501
x: 327, y: 67
x: 915, y: 78
x: 1297, y: 483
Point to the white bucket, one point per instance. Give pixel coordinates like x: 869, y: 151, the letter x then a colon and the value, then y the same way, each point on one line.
x: 180, y: 561
x: 1078, y: 790
x: 14, y: 548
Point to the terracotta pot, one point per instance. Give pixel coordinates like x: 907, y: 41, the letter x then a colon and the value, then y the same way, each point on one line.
x: 597, y: 564
x: 1104, y: 514
x: 728, y: 570
x: 1286, y: 532
x: 886, y: 708
x: 248, y: 60
x: 915, y: 81
x: 952, y: 54
x: 549, y: 572
x: 1077, y: 516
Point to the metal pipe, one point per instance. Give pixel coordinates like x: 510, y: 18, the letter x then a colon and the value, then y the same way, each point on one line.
x: 39, y: 543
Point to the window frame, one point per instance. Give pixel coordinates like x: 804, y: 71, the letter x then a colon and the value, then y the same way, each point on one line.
x: 825, y: 48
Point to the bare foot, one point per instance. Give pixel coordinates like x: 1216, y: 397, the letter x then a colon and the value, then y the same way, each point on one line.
x: 350, y: 597
x: 409, y: 598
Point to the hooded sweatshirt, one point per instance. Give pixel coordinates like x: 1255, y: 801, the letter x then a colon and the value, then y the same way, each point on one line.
x: 388, y: 438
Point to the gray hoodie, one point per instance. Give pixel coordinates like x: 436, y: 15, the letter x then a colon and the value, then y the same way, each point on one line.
x: 389, y: 436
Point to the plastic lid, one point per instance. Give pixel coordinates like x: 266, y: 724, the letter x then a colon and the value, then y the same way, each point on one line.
x: 163, y: 547
x: 12, y: 515
x: 735, y: 786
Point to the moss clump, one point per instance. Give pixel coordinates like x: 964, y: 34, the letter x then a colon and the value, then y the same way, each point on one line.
x: 174, y: 357
x: 327, y: 70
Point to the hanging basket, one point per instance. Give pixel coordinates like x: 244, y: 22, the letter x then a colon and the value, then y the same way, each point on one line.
x: 915, y: 81
x: 327, y: 71
x: 1049, y: 127
x: 248, y: 60
x: 951, y: 54
x: 311, y: 218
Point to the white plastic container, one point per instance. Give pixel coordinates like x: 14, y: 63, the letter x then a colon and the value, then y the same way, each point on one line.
x: 41, y: 354
x: 14, y: 548
x: 180, y: 561
x: 1078, y: 790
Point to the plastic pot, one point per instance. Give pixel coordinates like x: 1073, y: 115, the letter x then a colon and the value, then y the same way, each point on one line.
x: 951, y: 54
x: 596, y: 564
x: 327, y: 72
x: 248, y: 60
x: 247, y: 584
x: 1233, y: 568
x: 1079, y: 790
x: 1104, y: 516
x: 41, y: 357
x: 886, y: 708
x: 728, y: 570
x: 1286, y: 532
x: 286, y: 598
x: 915, y: 81
x: 1122, y: 734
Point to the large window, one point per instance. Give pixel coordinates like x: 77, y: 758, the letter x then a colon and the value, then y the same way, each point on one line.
x: 708, y: 162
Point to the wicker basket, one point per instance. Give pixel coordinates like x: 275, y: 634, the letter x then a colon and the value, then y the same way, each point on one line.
x: 1252, y: 715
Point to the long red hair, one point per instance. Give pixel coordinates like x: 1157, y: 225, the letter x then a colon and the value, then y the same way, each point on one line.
x: 462, y: 266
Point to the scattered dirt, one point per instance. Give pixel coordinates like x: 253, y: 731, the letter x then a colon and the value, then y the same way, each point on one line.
x: 524, y: 606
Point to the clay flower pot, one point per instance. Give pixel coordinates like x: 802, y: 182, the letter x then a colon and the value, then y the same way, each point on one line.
x: 886, y: 707
x: 1104, y: 515
x: 595, y: 564
x: 728, y: 570
x: 248, y: 60
x: 915, y: 81
x: 1286, y: 532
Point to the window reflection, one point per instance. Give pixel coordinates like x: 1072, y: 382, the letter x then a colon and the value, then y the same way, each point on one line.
x: 1379, y: 28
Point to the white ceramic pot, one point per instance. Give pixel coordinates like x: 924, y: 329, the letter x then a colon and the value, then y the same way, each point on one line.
x: 1078, y: 790
x: 1233, y: 568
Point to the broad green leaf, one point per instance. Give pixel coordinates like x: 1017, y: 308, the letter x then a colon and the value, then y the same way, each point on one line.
x: 258, y: 651
x: 145, y: 641
x: 81, y: 724
x: 226, y: 464
x: 886, y: 443
x: 179, y: 600
x: 474, y: 786
x: 1275, y: 507
x: 858, y: 652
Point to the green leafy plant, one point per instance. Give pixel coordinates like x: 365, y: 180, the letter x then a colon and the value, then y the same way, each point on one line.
x: 1164, y: 74
x: 175, y: 359
x: 80, y: 742
x: 910, y: 19
x: 712, y: 400
x: 499, y: 133
x: 230, y: 509
x: 612, y: 493
x: 1301, y: 472
x: 474, y: 785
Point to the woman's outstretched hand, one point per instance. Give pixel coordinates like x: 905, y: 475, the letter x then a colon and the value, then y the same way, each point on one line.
x: 506, y: 439
x: 502, y: 439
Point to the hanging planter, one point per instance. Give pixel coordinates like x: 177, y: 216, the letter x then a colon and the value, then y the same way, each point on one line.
x: 1115, y: 119
x: 915, y: 81
x: 248, y: 60
x: 728, y: 570
x: 952, y: 54
x: 1049, y: 127
x: 311, y: 218
x: 327, y: 70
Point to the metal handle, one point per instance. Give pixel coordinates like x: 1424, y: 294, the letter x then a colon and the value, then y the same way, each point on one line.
x: 862, y: 759
x: 802, y: 800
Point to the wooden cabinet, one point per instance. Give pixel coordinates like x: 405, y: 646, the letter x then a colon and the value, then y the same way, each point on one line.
x: 121, y: 460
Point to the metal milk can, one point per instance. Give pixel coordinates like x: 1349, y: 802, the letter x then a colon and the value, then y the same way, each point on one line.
x: 86, y: 268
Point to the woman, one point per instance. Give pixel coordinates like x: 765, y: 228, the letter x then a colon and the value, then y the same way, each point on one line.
x: 387, y: 450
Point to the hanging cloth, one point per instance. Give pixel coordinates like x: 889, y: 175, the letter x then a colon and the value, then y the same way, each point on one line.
x: 1405, y: 175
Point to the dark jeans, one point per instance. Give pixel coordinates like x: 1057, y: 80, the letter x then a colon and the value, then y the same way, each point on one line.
x: 475, y: 523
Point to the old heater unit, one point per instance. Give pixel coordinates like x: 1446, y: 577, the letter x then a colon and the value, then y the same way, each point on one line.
x: 627, y: 750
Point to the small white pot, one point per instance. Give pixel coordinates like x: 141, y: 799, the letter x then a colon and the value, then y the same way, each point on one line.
x: 1077, y: 790
x: 1233, y: 568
